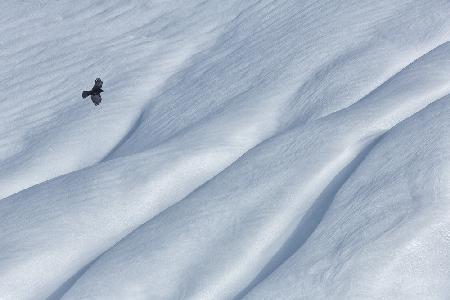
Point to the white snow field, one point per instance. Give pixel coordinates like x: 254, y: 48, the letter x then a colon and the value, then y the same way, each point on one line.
x: 258, y: 149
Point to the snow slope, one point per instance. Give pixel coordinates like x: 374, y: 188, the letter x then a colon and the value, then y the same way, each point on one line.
x: 252, y: 149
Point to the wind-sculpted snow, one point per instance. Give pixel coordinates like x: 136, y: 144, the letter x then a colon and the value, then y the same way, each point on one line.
x: 385, y: 236
x: 243, y: 150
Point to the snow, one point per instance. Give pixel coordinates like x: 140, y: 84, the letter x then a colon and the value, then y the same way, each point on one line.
x: 243, y: 150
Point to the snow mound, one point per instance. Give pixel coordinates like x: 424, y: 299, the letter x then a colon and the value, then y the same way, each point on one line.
x: 243, y: 150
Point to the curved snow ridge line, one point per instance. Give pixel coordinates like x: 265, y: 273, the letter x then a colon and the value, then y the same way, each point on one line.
x: 420, y: 59
x: 421, y: 83
x: 113, y: 249
x: 402, y: 64
x: 405, y: 111
x: 383, y: 48
x: 124, y: 241
x: 248, y: 137
x: 90, y: 183
x: 133, y: 128
x: 96, y: 185
x: 65, y: 287
x: 83, y: 271
x: 404, y: 75
x: 383, y: 203
x: 323, y: 203
x: 38, y: 120
x: 175, y: 48
x: 362, y: 155
x: 240, y: 46
x: 312, y: 218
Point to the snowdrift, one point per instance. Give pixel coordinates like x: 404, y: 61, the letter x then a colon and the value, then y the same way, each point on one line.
x: 243, y: 150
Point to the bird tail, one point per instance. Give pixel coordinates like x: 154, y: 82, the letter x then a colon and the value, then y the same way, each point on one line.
x: 85, y: 94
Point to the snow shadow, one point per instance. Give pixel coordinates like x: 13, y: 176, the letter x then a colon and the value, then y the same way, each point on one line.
x: 59, y: 293
x: 310, y: 220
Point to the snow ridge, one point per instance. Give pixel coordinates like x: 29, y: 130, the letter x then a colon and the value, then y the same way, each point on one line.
x: 257, y: 150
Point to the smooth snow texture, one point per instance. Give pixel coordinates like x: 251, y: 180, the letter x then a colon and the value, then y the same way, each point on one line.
x: 243, y: 150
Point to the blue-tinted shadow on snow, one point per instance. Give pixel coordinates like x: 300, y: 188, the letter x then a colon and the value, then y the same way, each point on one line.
x: 59, y: 293
x: 310, y: 220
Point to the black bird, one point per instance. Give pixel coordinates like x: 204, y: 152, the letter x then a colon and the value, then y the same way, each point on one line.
x: 95, y: 92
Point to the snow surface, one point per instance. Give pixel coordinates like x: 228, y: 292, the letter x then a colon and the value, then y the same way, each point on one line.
x: 253, y: 149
